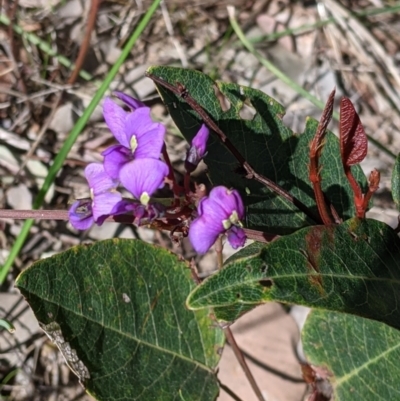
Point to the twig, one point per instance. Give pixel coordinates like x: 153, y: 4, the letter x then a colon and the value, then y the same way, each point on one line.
x: 170, y: 30
x: 36, y: 41
x: 34, y: 214
x: 86, y: 41
x: 229, y: 392
x: 239, y: 356
x: 42, y: 131
x: 230, y: 337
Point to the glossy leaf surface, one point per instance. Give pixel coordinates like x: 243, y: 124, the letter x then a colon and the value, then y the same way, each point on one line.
x: 353, y: 267
x: 117, y: 312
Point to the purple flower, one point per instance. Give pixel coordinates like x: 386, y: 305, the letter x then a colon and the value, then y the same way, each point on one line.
x: 103, y: 192
x: 146, y: 214
x: 138, y: 136
x: 142, y: 177
x: 197, y: 149
x: 81, y: 214
x: 218, y: 213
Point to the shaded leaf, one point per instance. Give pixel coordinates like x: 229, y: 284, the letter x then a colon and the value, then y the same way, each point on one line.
x: 361, y: 354
x: 353, y: 267
x: 353, y: 140
x: 117, y: 312
x: 271, y: 148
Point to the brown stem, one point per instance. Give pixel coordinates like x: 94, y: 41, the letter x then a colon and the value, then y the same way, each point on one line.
x: 239, y: 356
x: 34, y: 214
x: 186, y: 183
x: 181, y: 91
x: 230, y: 337
x: 176, y: 189
x: 259, y: 236
x: 218, y: 249
x: 86, y: 41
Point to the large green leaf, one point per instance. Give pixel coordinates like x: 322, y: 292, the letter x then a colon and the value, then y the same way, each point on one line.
x: 362, y: 355
x: 267, y: 144
x: 120, y: 304
x: 353, y: 267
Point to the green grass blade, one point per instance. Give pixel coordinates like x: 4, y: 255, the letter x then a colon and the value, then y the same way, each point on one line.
x: 59, y: 160
x: 7, y: 325
x: 284, y: 78
x: 319, y: 24
x: 45, y: 47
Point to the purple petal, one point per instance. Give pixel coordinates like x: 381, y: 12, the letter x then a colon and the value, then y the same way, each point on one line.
x: 115, y: 117
x: 146, y: 214
x: 202, y: 235
x: 197, y: 149
x: 99, y: 181
x: 125, y: 206
x: 213, y: 212
x: 200, y: 140
x: 149, y: 135
x: 143, y: 176
x: 104, y: 204
x: 80, y: 214
x: 236, y: 237
x: 228, y: 200
x: 114, y: 158
x: 131, y: 102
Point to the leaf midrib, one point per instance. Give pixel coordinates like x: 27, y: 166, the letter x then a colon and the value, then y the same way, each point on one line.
x: 127, y: 335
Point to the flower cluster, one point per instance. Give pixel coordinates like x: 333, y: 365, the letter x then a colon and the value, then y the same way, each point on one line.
x: 135, y: 164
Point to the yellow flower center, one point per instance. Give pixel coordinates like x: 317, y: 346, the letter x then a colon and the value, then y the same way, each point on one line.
x: 133, y: 144
x: 144, y: 198
x: 226, y: 224
x: 234, y: 218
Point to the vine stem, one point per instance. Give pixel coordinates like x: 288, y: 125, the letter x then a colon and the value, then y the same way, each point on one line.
x: 231, y: 338
x: 181, y: 91
x: 242, y: 361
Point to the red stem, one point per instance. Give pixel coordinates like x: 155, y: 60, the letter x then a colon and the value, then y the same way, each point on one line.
x: 316, y: 147
x: 176, y: 189
x: 358, y: 195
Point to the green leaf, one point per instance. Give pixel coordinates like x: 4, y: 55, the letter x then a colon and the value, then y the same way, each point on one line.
x: 271, y: 148
x: 396, y: 182
x: 353, y: 267
x: 362, y: 355
x: 120, y: 304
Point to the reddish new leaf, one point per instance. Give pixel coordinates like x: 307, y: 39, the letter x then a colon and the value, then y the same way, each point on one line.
x: 353, y: 140
x: 316, y: 146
